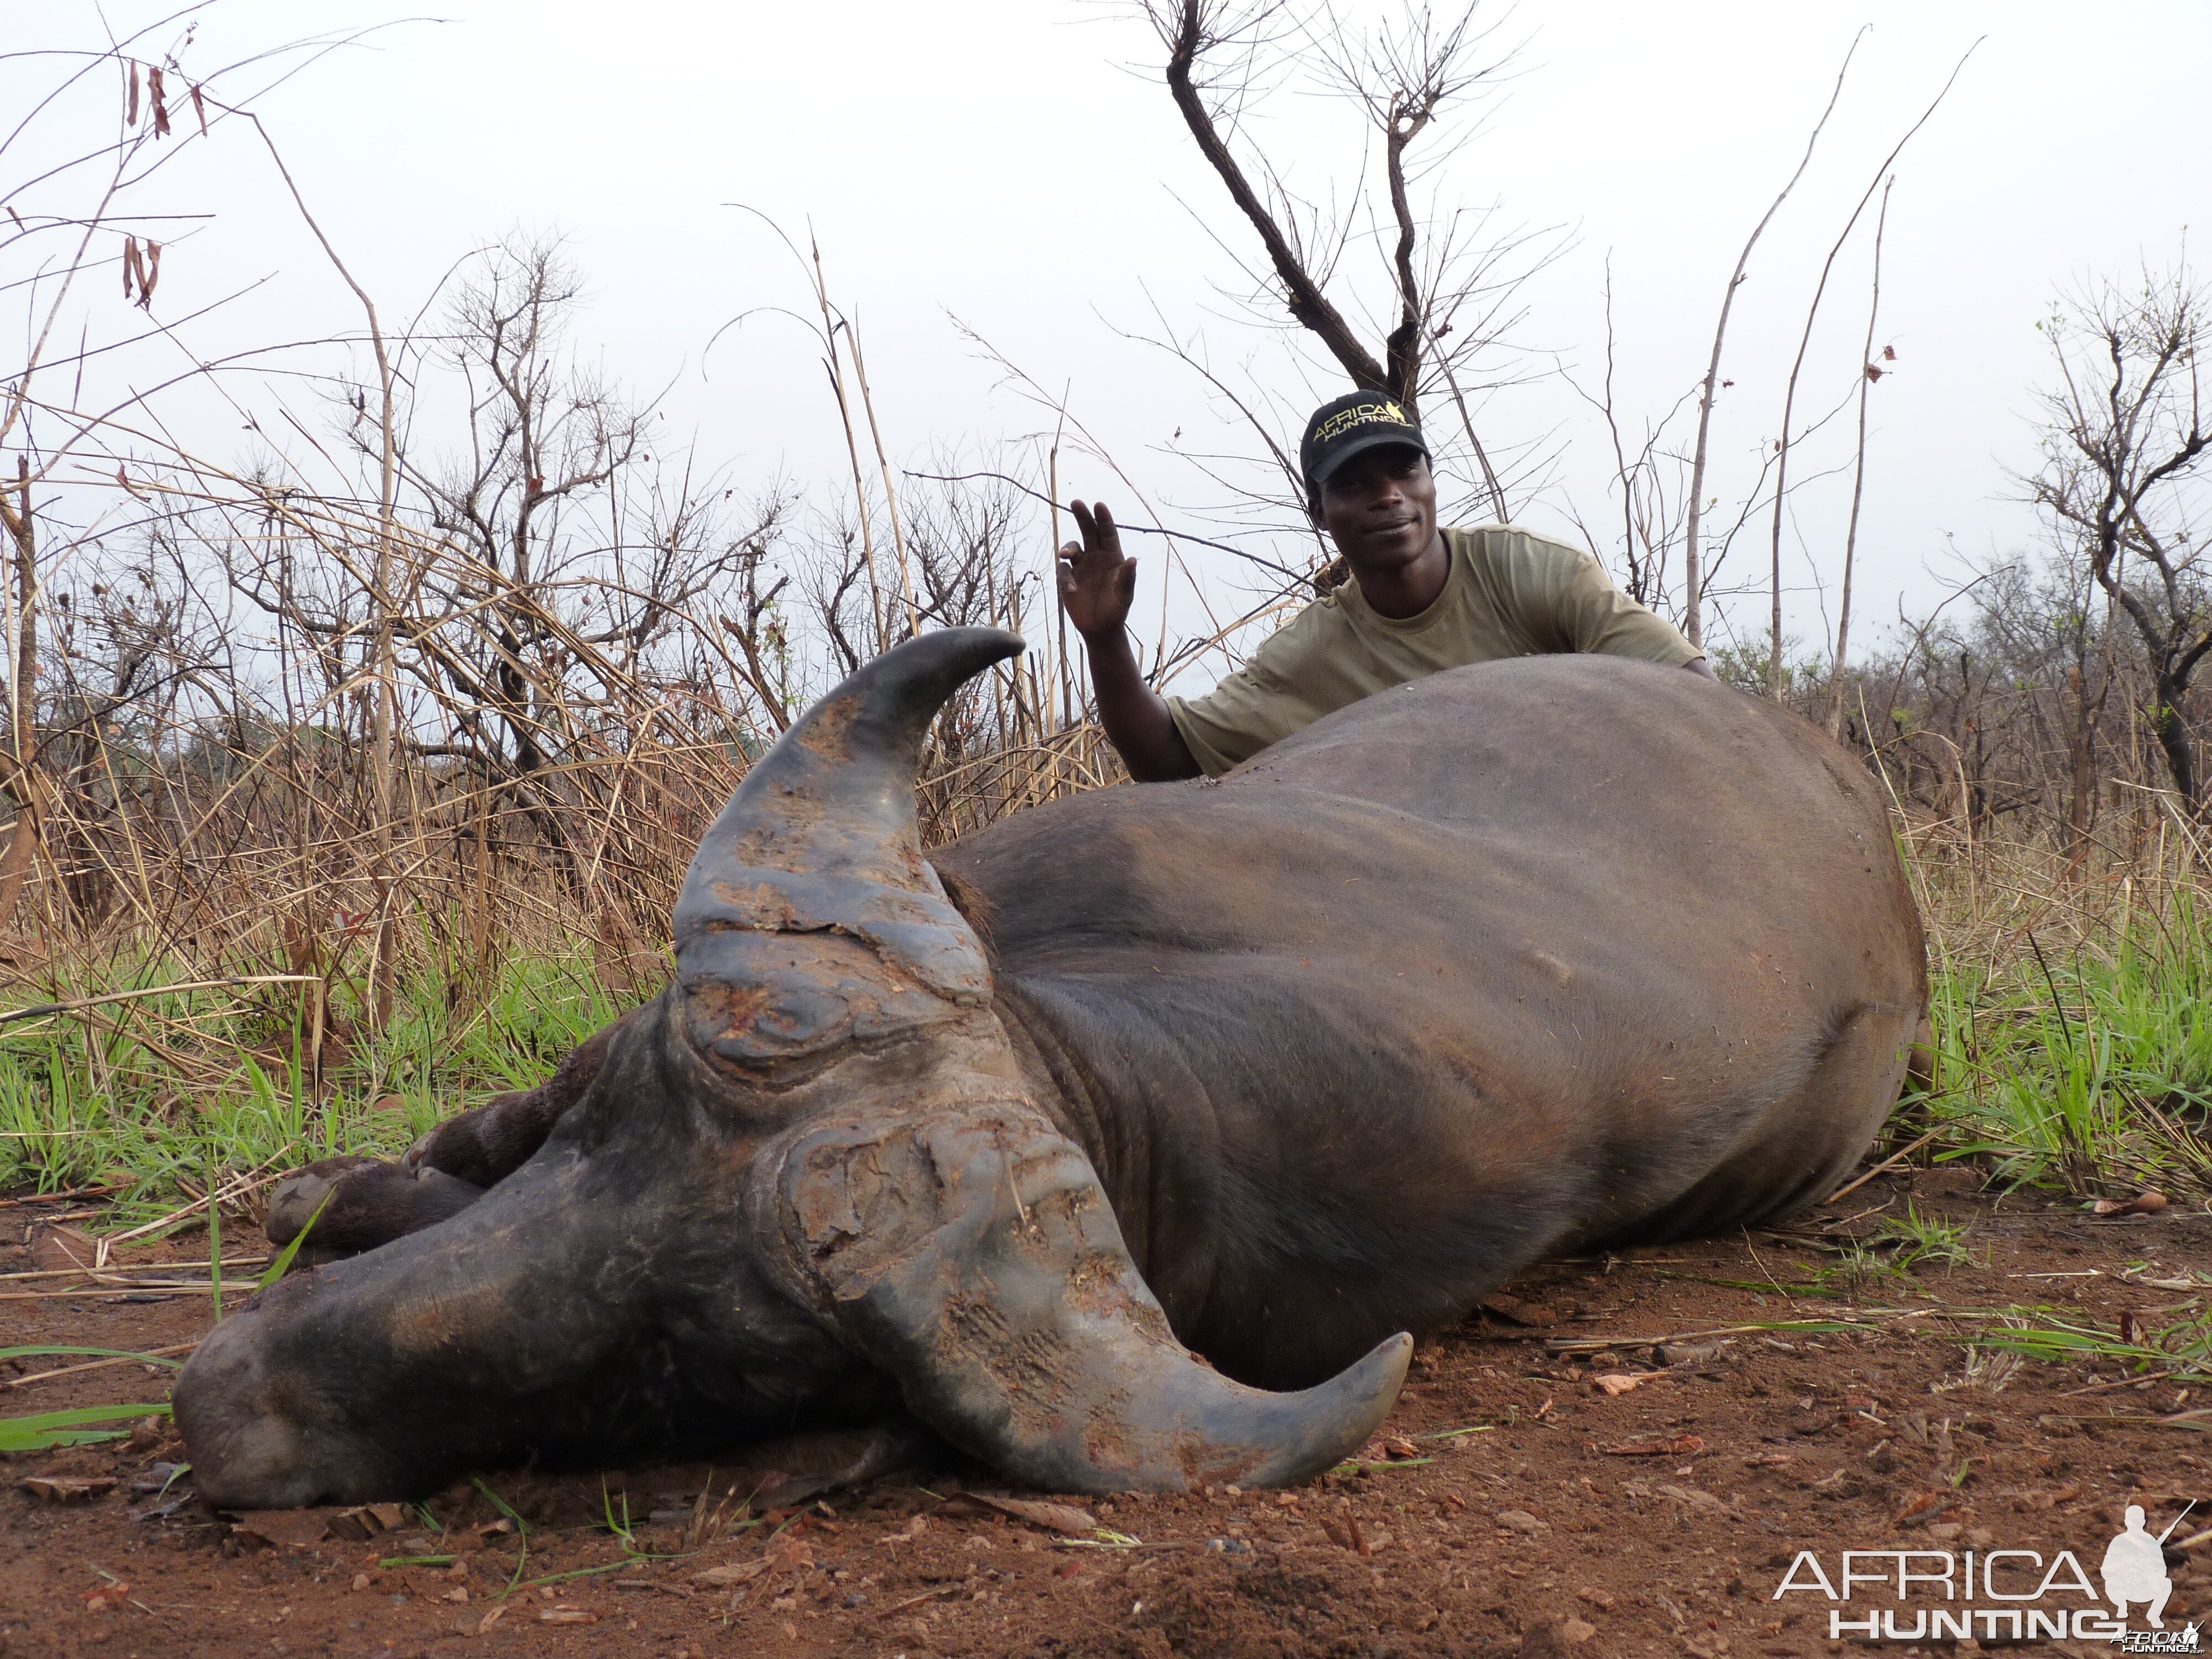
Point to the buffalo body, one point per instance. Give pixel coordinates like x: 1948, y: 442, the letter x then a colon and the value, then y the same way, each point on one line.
x: 1119, y: 1142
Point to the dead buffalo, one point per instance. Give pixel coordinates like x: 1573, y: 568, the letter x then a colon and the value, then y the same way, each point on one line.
x: 1083, y: 1139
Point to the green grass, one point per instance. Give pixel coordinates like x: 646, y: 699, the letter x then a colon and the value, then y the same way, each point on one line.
x: 2180, y: 1352
x: 44, y: 1430
x: 171, y: 1091
x: 1913, y: 1240
x: 2084, y: 1070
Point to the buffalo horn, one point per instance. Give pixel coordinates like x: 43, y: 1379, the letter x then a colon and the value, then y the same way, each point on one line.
x: 820, y: 839
x: 974, y: 1256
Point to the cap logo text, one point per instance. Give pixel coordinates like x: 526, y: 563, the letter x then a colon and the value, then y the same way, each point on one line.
x: 1359, y: 415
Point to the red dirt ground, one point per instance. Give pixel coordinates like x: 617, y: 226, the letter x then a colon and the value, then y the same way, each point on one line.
x: 1660, y: 1519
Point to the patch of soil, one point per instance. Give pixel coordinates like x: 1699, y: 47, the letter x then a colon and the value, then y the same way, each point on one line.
x: 1548, y: 1508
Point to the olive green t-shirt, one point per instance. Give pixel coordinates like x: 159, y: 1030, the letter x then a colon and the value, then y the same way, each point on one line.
x: 1509, y: 593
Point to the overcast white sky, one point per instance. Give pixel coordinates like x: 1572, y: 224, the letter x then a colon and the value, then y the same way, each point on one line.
x: 1017, y: 163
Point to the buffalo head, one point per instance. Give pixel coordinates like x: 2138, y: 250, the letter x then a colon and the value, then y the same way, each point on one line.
x: 807, y: 1183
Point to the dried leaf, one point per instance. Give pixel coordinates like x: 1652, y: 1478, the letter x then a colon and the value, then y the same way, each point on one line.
x: 2146, y: 1203
x: 149, y: 275
x: 287, y: 1529
x: 1875, y: 373
x: 154, y: 97
x: 736, y: 1573
x: 565, y: 1616
x: 67, y: 1488
x: 1516, y: 1312
x: 133, y: 278
x: 1924, y: 1506
x: 365, y: 1521
x: 1687, y: 1446
x: 130, y: 110
x: 1062, y: 1518
x: 1395, y: 1447
x: 1889, y: 354
x: 1619, y: 1383
x: 199, y: 108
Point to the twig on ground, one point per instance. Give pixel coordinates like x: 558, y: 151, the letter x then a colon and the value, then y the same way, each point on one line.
x: 98, y: 1364
x: 1883, y: 1168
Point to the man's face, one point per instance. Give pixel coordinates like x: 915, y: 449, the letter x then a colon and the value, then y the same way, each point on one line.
x: 1381, y: 507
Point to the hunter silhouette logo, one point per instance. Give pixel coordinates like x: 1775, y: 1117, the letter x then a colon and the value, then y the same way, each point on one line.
x: 2135, y: 1568
x: 2001, y: 1595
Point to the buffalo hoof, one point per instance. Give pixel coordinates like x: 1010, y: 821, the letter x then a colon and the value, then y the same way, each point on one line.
x: 349, y: 1205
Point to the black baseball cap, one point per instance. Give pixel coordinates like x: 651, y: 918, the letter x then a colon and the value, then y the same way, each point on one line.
x: 1352, y: 425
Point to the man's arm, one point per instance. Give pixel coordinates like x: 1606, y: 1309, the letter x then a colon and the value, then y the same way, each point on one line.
x: 1574, y: 605
x: 1097, y: 586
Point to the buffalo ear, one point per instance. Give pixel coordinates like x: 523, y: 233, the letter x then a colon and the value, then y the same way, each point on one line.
x: 973, y: 1255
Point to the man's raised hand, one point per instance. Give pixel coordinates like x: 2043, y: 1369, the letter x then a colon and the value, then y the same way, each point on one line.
x: 1097, y: 583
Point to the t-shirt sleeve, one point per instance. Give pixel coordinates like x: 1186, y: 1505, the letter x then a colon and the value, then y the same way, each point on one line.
x: 1573, y: 606
x: 1260, y: 703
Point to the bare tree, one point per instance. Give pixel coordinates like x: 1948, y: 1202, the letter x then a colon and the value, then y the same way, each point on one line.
x: 2123, y: 435
x: 541, y: 430
x: 1790, y: 396
x: 1656, y: 483
x: 1440, y: 300
x: 1695, y: 576
x: 1870, y: 373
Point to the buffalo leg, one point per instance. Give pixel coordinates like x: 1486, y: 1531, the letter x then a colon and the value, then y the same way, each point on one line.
x: 364, y: 1202
x: 355, y: 1204
x: 487, y: 1144
x: 1920, y: 1062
